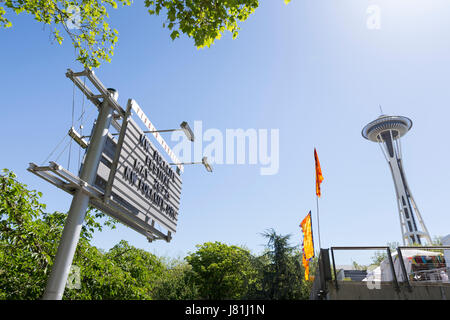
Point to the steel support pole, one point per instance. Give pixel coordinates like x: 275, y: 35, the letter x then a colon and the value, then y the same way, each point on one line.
x: 75, y: 218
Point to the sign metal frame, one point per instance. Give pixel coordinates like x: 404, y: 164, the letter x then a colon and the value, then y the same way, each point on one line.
x: 103, y: 200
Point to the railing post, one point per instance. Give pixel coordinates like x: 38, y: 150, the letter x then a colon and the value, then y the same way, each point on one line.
x: 402, y: 264
x: 334, y: 269
x: 397, y: 287
x: 325, y: 271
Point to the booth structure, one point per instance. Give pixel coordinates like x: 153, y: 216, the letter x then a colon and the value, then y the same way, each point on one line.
x: 420, y: 265
x: 446, y: 242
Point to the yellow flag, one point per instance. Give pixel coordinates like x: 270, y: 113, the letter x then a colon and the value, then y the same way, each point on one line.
x: 306, y: 266
x: 308, y: 244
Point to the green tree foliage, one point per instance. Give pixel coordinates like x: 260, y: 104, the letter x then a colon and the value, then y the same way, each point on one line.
x: 176, y: 283
x: 145, y: 268
x: 282, y: 274
x: 379, y: 256
x: 204, y: 21
x: 101, y: 278
x: 28, y: 242
x: 357, y: 266
x: 94, y: 39
x: 24, y: 256
x: 222, y: 271
x: 84, y: 21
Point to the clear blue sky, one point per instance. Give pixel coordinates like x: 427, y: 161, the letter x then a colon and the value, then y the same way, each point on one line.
x: 311, y: 69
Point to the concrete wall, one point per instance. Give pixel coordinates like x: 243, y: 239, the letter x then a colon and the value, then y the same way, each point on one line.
x: 348, y: 290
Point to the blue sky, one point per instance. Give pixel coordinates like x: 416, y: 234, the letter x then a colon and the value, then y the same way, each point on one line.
x: 311, y: 69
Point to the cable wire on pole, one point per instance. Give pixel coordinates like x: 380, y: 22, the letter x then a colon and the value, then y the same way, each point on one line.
x: 53, y: 151
x: 73, y: 116
x: 81, y: 119
x: 65, y: 148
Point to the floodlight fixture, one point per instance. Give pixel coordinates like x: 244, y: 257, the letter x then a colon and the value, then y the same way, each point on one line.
x: 203, y: 162
x: 206, y: 164
x: 187, y: 130
x: 78, y: 138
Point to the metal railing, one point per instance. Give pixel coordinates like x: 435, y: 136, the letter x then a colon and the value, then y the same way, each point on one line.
x: 389, y: 256
x: 428, y: 269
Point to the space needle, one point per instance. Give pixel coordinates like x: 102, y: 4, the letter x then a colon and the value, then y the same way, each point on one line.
x: 387, y: 131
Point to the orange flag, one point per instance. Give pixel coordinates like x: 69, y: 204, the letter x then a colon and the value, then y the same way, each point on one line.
x: 319, y: 177
x: 308, y: 244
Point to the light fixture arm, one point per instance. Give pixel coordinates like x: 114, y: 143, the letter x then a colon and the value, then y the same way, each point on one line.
x: 204, y: 162
x: 184, y: 163
x: 168, y: 130
x: 183, y: 127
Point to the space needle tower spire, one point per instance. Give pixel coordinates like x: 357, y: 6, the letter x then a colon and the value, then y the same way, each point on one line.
x: 387, y: 131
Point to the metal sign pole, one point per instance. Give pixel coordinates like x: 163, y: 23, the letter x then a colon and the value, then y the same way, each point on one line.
x: 74, y: 222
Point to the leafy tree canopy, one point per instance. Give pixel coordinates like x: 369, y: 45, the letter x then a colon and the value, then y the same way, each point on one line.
x: 85, y: 21
x: 222, y: 271
x: 176, y: 283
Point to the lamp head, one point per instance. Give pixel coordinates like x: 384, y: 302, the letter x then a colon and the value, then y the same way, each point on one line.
x: 187, y: 131
x: 114, y: 93
x: 206, y: 164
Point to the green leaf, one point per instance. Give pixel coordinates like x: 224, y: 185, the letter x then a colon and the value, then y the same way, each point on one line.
x: 175, y: 34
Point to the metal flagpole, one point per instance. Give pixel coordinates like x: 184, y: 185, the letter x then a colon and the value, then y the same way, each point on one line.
x: 318, y: 181
x: 75, y: 218
x: 318, y: 223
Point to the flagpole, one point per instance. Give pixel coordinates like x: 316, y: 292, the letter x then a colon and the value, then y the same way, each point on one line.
x: 318, y: 223
x: 319, y: 179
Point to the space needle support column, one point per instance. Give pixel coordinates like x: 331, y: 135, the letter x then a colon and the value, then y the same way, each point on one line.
x: 75, y: 218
